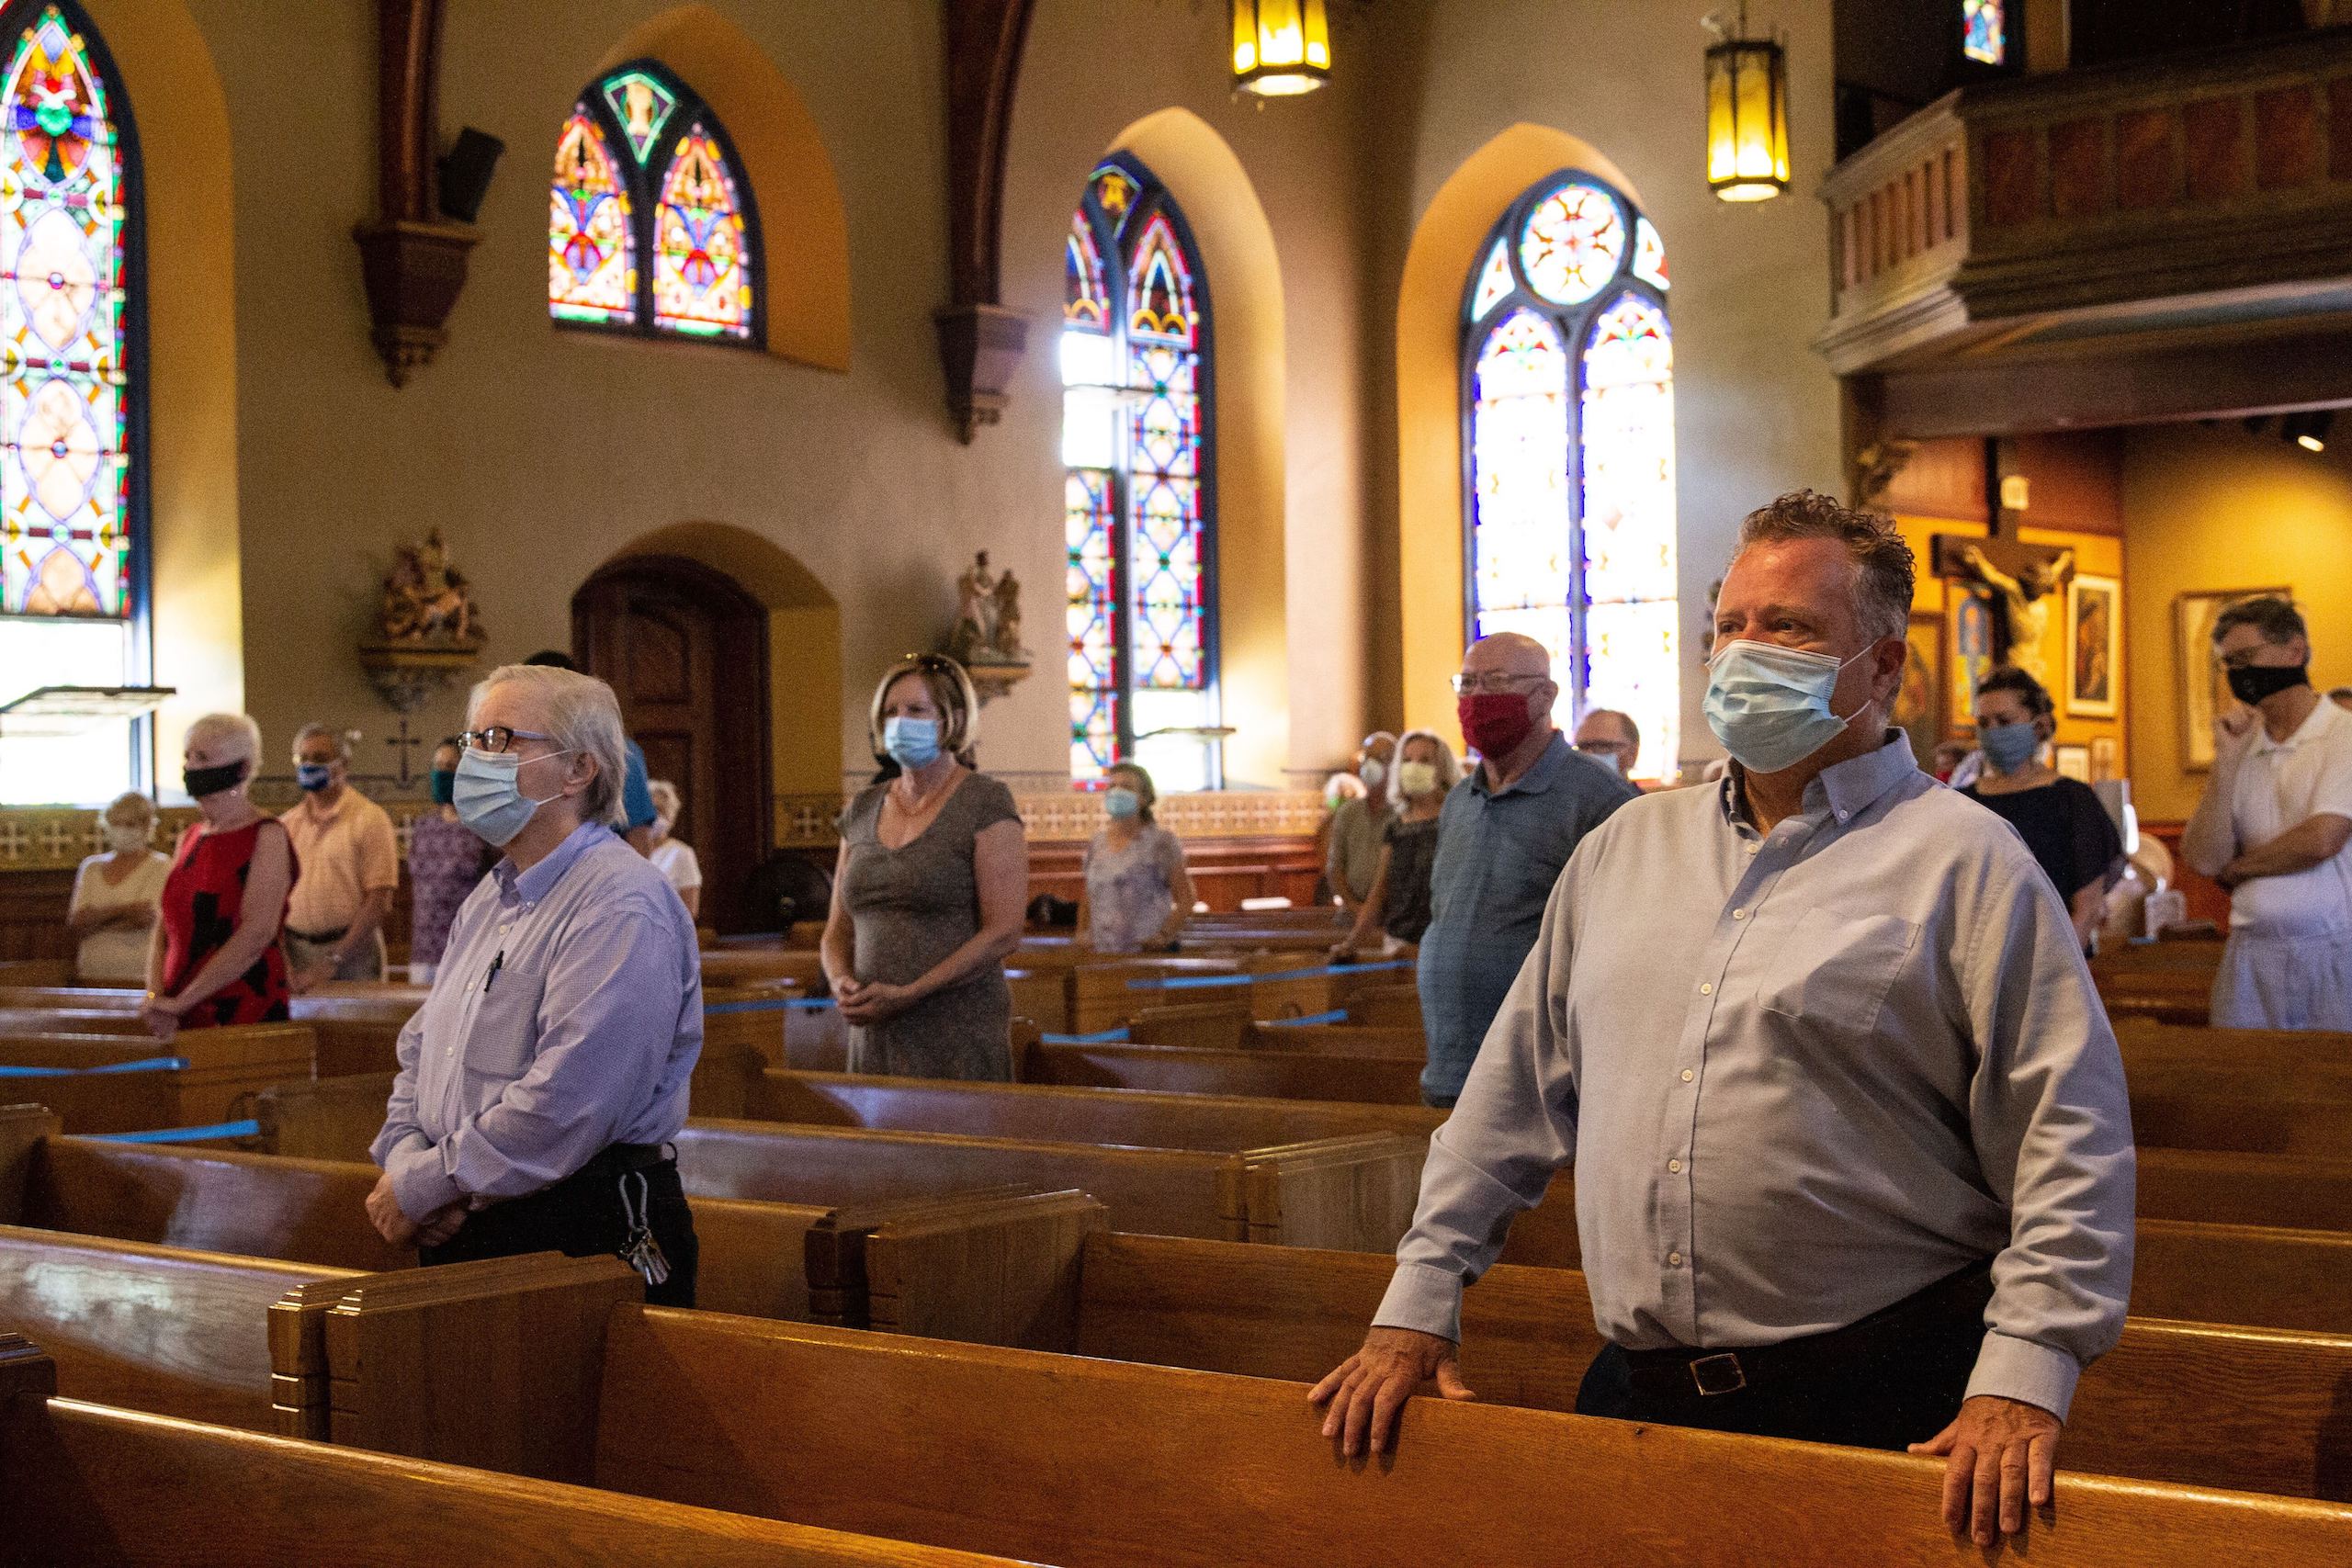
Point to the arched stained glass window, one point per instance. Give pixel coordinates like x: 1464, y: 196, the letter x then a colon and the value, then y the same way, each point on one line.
x: 1568, y: 414
x: 1985, y: 32
x: 651, y: 225
x: 72, y: 485
x: 1138, y: 501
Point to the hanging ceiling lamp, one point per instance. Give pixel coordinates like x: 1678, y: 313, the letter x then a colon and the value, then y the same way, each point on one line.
x: 1747, y: 113
x: 1281, y: 47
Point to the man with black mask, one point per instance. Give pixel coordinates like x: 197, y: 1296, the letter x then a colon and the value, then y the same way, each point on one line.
x: 2275, y: 827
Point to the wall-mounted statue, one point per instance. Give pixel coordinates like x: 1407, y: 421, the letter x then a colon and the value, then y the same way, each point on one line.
x: 2023, y: 594
x: 988, y: 618
x: 426, y: 599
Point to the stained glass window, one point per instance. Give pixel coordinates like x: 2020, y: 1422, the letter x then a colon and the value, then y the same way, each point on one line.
x: 651, y: 227
x: 1568, y: 396
x: 1985, y: 32
x: 1135, y: 443
x: 72, y: 487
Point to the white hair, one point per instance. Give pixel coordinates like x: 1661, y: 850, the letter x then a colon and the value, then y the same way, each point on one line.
x: 665, y: 798
x: 237, y: 731
x: 582, y: 715
x: 341, y: 738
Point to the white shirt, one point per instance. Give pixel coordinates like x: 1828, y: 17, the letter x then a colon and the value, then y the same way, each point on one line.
x: 2280, y: 784
x: 676, y: 861
x: 117, y: 953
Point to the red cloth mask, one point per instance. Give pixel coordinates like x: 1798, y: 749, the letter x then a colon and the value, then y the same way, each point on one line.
x: 1494, y: 722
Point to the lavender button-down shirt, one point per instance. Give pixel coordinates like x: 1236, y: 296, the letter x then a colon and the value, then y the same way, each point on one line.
x: 1801, y: 1074
x: 567, y: 1015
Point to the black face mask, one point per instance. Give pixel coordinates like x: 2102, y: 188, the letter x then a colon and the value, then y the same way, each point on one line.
x: 201, y: 782
x: 2250, y: 683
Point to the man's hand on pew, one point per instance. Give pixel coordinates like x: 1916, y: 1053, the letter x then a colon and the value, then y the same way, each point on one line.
x: 1367, y: 1392
x: 1998, y: 1455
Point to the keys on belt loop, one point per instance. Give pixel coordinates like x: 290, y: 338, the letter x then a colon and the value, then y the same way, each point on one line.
x: 638, y: 1249
x: 1718, y: 1373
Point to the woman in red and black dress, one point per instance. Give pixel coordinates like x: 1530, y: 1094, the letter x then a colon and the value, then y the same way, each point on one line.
x: 215, y: 959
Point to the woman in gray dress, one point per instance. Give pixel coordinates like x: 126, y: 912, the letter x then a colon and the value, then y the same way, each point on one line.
x: 927, y: 897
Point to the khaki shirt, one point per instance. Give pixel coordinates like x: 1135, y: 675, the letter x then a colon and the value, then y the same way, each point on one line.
x: 343, y: 855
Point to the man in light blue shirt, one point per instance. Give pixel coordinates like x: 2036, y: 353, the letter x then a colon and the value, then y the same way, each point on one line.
x: 1852, y: 1148
x: 1504, y: 833
x: 542, y: 1077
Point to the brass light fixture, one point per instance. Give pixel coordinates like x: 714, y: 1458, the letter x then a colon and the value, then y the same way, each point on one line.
x: 1281, y: 47
x: 1747, y: 113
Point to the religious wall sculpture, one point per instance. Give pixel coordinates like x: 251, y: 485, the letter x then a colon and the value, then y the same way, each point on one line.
x: 427, y: 632
x: 987, y: 637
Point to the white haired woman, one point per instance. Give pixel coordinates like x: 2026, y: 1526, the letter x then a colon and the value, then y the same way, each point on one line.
x: 671, y: 855
x: 215, y: 958
x: 542, y: 1079
x: 927, y: 898
x: 113, y: 909
x: 1398, y: 907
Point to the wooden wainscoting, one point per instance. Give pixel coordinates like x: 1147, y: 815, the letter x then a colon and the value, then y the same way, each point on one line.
x: 1225, y: 870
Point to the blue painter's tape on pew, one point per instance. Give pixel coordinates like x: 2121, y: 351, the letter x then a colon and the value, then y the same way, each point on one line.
x: 1337, y: 1015
x: 1204, y: 982
x: 1108, y: 1037
x: 144, y: 1064
x: 186, y: 1134
x: 781, y: 1004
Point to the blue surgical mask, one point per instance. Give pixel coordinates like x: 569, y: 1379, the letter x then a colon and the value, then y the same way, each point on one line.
x: 488, y: 796
x: 910, y: 742
x: 1770, y: 705
x: 1121, y: 802
x: 314, y: 777
x: 2009, y: 747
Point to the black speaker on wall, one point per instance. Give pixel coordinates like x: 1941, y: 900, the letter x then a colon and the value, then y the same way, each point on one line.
x: 466, y: 169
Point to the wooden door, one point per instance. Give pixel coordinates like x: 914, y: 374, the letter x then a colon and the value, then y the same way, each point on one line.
x: 687, y: 650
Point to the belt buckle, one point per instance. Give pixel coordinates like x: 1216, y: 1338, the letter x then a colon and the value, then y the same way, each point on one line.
x: 1718, y: 1373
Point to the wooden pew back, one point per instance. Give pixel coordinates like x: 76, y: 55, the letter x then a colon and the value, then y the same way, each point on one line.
x: 224, y: 1066
x: 1264, y: 1074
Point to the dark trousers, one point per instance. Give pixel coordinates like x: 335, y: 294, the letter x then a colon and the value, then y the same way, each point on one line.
x: 582, y: 1215
x: 1895, y: 1377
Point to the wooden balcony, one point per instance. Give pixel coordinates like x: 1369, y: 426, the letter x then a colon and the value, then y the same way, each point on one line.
x: 2188, y: 219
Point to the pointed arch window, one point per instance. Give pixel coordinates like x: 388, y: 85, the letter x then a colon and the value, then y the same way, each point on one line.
x: 651, y: 227
x: 72, y: 472
x: 1138, y: 492
x: 1568, y: 423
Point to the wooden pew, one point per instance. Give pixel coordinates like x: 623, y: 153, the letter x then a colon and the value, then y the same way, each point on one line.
x: 1177, y: 1069
x: 88, y: 1483
x: 2265, y: 1416
x: 160, y: 1328
x: 222, y: 1067
x: 1142, y: 1460
x: 1229, y: 1026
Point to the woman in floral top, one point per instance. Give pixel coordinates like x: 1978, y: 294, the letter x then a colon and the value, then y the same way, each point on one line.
x: 445, y: 861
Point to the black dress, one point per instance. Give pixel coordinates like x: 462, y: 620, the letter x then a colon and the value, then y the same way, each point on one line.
x: 1412, y: 850
x: 2067, y: 829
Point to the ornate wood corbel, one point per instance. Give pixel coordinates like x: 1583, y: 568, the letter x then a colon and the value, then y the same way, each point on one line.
x: 411, y: 259
x: 980, y: 342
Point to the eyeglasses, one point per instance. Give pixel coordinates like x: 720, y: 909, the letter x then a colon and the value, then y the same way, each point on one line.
x: 497, y: 738
x: 1490, y: 680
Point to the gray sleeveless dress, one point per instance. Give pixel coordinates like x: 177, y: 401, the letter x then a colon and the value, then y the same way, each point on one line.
x: 910, y: 908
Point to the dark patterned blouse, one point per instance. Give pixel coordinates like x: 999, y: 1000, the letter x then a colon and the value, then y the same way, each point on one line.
x: 202, y: 898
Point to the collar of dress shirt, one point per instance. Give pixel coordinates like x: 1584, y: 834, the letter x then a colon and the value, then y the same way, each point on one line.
x: 2323, y: 712
x: 1847, y: 789
x: 1539, y: 775
x: 530, y: 886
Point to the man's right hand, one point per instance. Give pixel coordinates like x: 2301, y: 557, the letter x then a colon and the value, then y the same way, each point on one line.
x: 1366, y: 1393
x: 2233, y: 729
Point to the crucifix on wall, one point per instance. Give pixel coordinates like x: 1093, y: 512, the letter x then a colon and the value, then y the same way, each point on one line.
x: 2025, y: 582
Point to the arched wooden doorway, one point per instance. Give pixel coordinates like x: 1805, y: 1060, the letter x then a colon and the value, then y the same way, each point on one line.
x: 687, y: 650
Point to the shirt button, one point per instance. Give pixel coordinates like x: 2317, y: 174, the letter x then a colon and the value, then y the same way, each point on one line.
x: 1739, y: 914
x: 1706, y: 988
x: 1686, y: 1075
x: 1675, y: 1166
x: 1674, y: 1259
x: 448, y: 1050
x: 1753, y: 848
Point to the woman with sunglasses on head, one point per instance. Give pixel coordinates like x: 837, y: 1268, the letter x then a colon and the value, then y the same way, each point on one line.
x: 928, y: 891
x: 215, y: 959
x: 1137, y: 894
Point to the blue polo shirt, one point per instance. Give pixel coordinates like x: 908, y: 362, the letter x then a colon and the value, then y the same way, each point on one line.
x: 1497, y: 855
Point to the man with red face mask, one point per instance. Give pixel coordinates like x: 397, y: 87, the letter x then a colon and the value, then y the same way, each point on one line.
x: 1506, y: 831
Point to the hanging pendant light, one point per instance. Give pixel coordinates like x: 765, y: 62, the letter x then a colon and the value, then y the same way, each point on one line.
x: 1281, y: 47
x: 1747, y: 113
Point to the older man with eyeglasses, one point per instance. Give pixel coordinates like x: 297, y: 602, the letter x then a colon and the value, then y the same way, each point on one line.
x: 1506, y: 831
x: 542, y: 1080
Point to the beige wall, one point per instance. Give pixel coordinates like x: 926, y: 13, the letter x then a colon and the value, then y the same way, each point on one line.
x: 2216, y: 508
x: 1756, y: 411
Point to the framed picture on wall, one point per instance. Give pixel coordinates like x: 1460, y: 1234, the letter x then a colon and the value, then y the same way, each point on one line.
x: 1918, y: 701
x: 2094, y: 644
x: 2199, y: 689
x: 2073, y: 763
x: 2105, y: 762
x: 1970, y: 609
